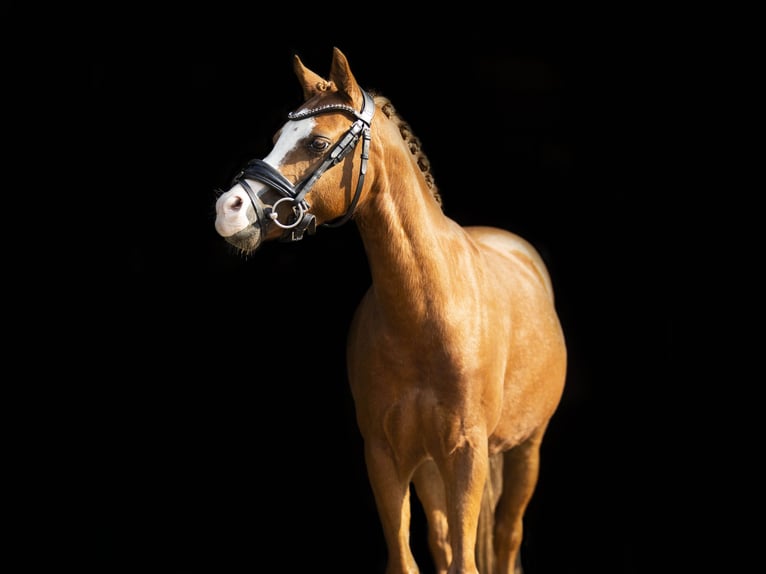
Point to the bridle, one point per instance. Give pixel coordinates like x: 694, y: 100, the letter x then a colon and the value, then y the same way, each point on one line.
x: 302, y: 220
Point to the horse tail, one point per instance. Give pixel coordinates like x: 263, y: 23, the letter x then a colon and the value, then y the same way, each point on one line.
x: 493, y: 487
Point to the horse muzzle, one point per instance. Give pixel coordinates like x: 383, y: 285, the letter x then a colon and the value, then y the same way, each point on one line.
x: 245, y: 219
x: 241, y: 220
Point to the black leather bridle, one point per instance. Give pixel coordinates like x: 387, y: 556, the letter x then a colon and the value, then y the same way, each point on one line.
x: 302, y: 220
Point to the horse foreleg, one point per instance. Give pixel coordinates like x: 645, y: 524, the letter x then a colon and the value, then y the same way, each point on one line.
x: 392, y: 497
x: 465, y: 472
x: 430, y: 490
x: 521, y: 466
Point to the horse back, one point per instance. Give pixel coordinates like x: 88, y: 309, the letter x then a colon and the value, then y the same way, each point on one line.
x: 510, y: 245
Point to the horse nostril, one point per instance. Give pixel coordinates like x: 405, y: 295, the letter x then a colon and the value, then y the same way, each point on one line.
x: 234, y: 204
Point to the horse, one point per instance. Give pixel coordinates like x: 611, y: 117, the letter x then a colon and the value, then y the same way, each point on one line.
x: 456, y: 357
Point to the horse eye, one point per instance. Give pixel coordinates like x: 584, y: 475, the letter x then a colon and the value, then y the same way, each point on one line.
x: 319, y: 144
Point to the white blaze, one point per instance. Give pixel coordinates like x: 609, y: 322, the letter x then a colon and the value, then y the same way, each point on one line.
x: 231, y: 207
x: 292, y: 133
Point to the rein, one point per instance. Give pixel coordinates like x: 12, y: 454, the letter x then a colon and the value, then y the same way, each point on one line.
x: 259, y: 170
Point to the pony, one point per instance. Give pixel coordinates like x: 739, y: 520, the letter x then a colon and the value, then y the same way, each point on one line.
x: 456, y: 357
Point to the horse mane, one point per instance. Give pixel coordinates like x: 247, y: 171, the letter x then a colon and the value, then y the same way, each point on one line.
x: 412, y: 141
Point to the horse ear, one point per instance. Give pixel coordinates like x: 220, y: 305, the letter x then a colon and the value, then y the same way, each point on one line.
x: 310, y: 81
x: 341, y: 76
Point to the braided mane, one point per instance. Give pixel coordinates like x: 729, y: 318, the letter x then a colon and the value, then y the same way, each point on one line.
x: 412, y: 141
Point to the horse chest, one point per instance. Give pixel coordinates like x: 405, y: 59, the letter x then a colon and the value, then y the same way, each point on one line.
x: 409, y: 385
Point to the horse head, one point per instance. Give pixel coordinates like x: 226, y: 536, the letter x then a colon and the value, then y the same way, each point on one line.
x: 293, y: 189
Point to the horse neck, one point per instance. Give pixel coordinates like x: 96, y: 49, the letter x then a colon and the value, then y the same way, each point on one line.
x: 411, y: 245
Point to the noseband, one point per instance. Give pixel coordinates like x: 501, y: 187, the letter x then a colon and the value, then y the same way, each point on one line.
x: 302, y: 220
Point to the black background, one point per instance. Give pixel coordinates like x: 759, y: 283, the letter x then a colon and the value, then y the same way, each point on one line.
x: 229, y: 435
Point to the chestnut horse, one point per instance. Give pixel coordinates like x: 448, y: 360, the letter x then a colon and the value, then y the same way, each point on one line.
x: 456, y: 357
